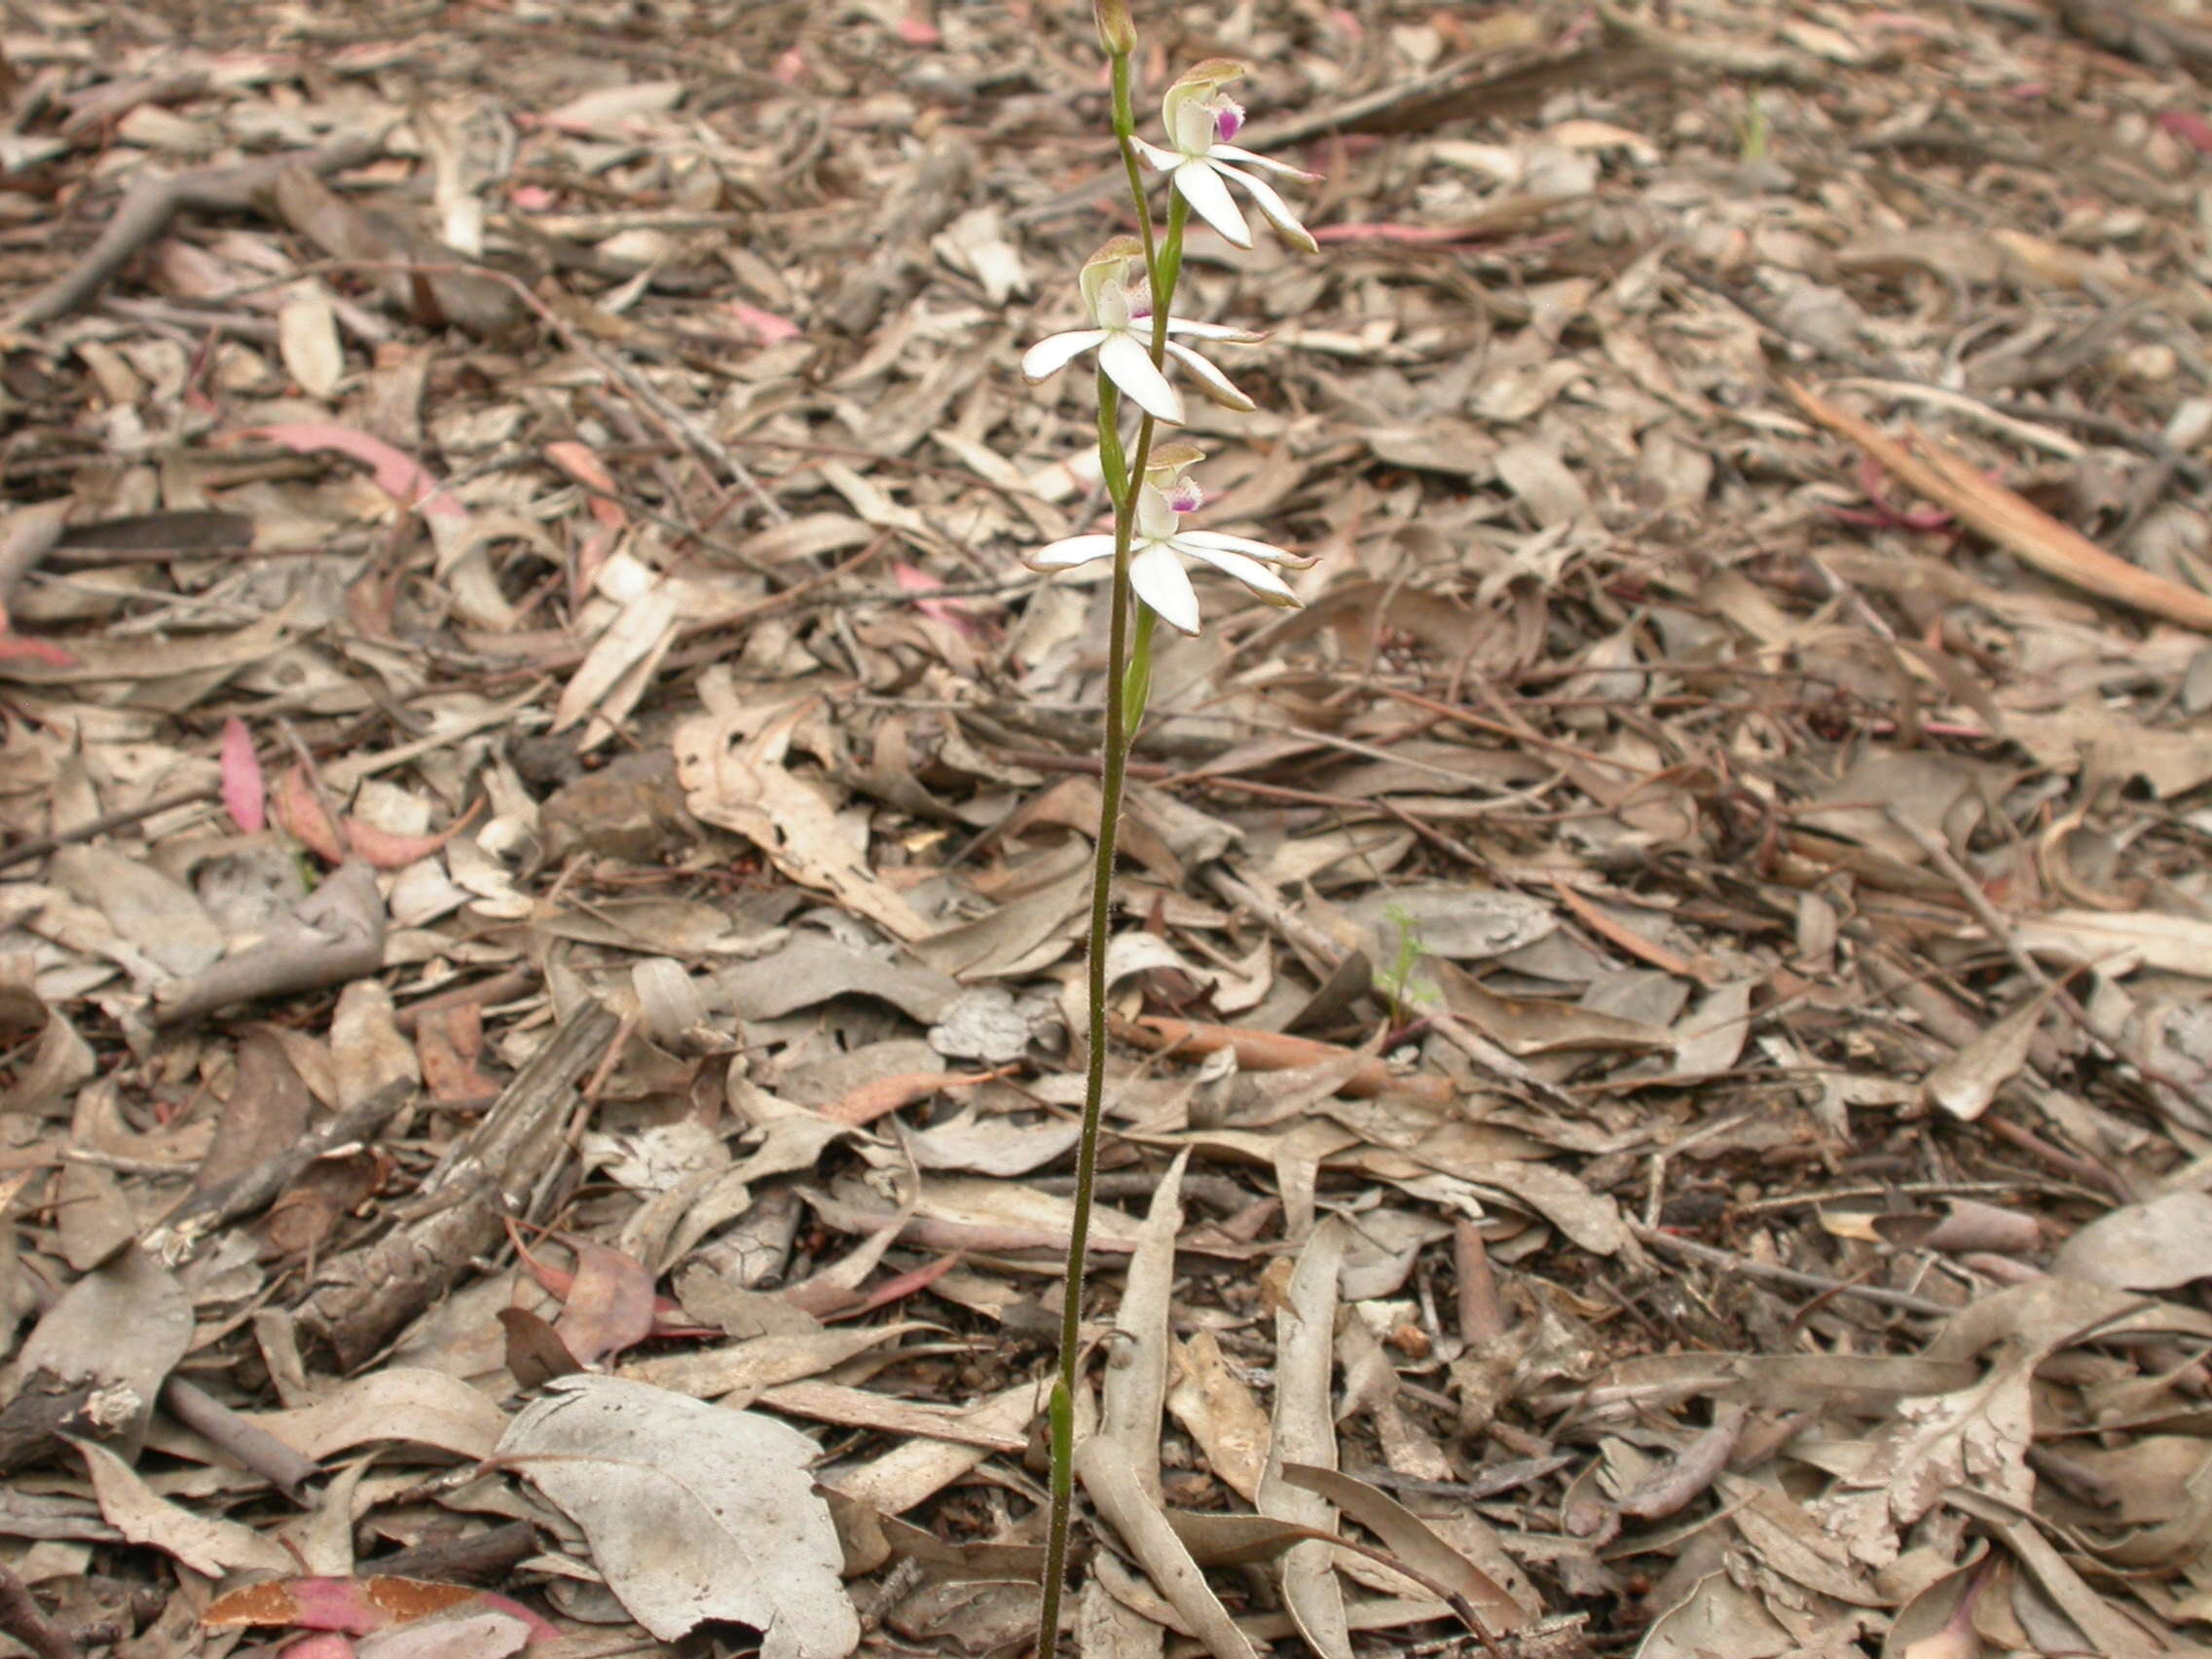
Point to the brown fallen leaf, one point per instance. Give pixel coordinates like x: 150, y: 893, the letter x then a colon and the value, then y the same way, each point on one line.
x: 2015, y: 524
x: 1274, y: 1050
x: 884, y: 1096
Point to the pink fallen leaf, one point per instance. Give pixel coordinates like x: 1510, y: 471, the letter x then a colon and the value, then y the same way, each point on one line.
x: 397, y: 473
x: 15, y: 647
x: 356, y: 1606
x: 767, y: 327
x: 381, y: 849
x: 610, y: 1305
x: 582, y: 463
x: 951, y: 612
x: 2189, y: 127
x: 532, y: 197
x: 1882, y: 515
x: 668, y: 1317
x: 895, y: 1289
x: 301, y: 816
x: 886, y: 1095
x: 245, y: 790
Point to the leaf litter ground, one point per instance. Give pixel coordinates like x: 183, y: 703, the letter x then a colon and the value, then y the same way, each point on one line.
x: 1660, y: 1040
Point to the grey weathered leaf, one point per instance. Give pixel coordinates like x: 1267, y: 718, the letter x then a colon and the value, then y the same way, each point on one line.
x: 693, y: 1512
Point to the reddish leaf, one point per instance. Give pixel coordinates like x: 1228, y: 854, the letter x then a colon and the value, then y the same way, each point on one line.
x: 356, y: 1607
x: 951, y: 612
x: 767, y: 327
x: 381, y: 849
x: 397, y: 474
x: 886, y: 1095
x: 830, y: 1303
x: 14, y: 646
x: 2189, y: 127
x: 610, y: 1305
x: 668, y: 1317
x: 301, y: 816
x: 245, y: 790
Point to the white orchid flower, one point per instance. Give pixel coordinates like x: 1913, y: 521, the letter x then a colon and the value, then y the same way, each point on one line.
x: 1121, y: 332
x: 1200, y: 118
x: 1158, y: 545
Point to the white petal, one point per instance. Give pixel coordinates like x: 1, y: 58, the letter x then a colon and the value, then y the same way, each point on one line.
x: 1230, y: 153
x: 1155, y: 156
x: 1056, y: 351
x: 1214, y: 331
x: 1209, y: 198
x: 1260, y: 581
x: 1066, y: 555
x: 1212, y: 380
x: 1275, y: 208
x: 1159, y: 580
x: 1128, y: 366
x: 1214, y: 542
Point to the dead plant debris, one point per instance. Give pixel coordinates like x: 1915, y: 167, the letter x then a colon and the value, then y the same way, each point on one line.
x: 1662, y: 1060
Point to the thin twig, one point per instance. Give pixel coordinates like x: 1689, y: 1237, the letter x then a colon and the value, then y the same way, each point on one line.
x: 1902, y: 1300
x: 21, y: 1619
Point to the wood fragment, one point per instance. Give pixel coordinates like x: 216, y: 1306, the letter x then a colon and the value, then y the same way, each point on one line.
x: 361, y: 1299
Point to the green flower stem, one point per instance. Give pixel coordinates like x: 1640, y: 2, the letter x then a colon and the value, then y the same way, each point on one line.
x: 1137, y: 684
x: 1128, y: 681
x: 1125, y: 134
x: 1113, y: 464
x: 1165, y: 269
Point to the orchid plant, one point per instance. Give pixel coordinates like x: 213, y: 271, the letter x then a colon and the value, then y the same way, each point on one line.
x: 1128, y: 290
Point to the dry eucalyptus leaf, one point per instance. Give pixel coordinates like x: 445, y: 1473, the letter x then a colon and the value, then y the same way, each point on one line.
x: 426, y: 1408
x: 121, y: 1327
x: 693, y: 1512
x: 211, y: 1547
x: 2155, y: 1245
x: 307, y: 335
x: 1966, y: 1082
x: 159, y: 916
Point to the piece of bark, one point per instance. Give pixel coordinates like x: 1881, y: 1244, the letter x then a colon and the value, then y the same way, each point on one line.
x: 485, y: 1555
x: 361, y: 1299
x: 150, y: 203
x: 333, y: 936
x: 36, y: 1420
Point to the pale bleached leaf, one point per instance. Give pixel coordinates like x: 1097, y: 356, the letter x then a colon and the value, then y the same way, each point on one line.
x: 693, y: 1512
